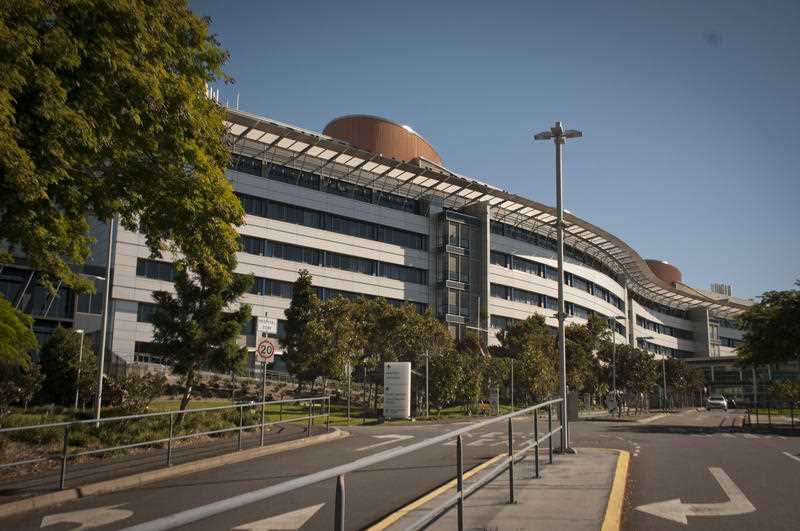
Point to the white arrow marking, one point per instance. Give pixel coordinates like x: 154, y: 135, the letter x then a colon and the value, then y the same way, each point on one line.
x: 790, y: 456
x: 392, y: 439
x: 290, y: 521
x: 677, y: 511
x: 89, y: 518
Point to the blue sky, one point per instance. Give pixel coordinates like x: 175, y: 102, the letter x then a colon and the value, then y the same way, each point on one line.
x: 690, y: 110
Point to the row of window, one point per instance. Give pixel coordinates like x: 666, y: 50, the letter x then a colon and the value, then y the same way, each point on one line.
x: 545, y: 242
x: 313, y: 181
x: 24, y: 288
x: 661, y: 308
x: 728, y: 323
x: 316, y: 257
x: 155, y: 269
x: 659, y: 328
x: 266, y: 208
x: 545, y: 271
x: 729, y: 342
x: 664, y: 351
x: 544, y: 301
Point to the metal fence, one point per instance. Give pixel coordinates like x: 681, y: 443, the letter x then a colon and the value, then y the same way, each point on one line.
x: 339, y: 472
x: 772, y: 414
x: 318, y: 407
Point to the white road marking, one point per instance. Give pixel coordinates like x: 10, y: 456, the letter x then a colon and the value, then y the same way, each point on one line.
x: 392, y: 439
x: 790, y: 456
x: 285, y: 522
x: 677, y: 511
x: 751, y: 436
x: 89, y: 518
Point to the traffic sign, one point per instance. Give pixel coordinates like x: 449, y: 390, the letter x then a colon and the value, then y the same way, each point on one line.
x: 265, y: 351
x: 266, y: 325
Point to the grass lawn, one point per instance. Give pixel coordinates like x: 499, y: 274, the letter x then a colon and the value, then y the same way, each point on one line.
x: 776, y: 411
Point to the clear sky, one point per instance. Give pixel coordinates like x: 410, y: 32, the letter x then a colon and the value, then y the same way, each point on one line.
x: 690, y: 110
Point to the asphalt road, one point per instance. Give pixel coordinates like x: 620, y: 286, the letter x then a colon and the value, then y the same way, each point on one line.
x: 670, y: 459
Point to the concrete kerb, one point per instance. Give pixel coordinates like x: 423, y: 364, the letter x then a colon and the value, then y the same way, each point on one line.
x: 136, y: 480
x: 612, y: 521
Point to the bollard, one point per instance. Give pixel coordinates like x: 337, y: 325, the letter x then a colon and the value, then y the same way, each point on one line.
x: 338, y: 524
x: 550, y: 430
x: 241, y: 423
x: 510, y: 462
x: 171, y: 435
x: 536, y: 441
x: 460, y: 481
x: 64, y: 457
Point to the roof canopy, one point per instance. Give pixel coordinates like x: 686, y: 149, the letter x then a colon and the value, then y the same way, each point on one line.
x: 285, y: 144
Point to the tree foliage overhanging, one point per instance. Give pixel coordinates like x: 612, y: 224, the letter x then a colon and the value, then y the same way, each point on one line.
x: 771, y: 329
x: 103, y: 112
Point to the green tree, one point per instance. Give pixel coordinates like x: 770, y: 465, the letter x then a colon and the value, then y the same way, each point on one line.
x: 18, y: 384
x: 337, y: 343
x: 534, y: 351
x: 682, y: 379
x: 299, y: 349
x: 475, y: 365
x: 16, y: 335
x: 787, y: 391
x: 447, y: 377
x: 771, y: 329
x: 60, y: 357
x: 637, y: 372
x: 194, y: 329
x: 103, y: 111
x: 582, y: 343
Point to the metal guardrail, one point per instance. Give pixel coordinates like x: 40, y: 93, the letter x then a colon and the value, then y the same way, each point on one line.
x: 755, y: 411
x: 65, y: 455
x: 198, y: 513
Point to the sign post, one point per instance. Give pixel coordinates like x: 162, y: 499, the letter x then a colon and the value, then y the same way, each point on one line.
x: 397, y: 390
x: 265, y: 353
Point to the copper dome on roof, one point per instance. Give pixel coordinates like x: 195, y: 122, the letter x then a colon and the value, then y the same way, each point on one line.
x: 665, y: 271
x: 379, y: 135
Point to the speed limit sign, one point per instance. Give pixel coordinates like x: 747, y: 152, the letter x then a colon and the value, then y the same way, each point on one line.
x: 265, y: 351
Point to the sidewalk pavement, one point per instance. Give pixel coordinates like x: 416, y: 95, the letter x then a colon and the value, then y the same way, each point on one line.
x: 572, y: 494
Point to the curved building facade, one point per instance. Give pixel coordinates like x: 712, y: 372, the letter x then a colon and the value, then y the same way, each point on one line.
x: 370, y: 210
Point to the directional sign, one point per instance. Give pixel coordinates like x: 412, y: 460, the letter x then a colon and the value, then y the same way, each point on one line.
x: 89, y: 518
x: 265, y: 351
x: 284, y: 522
x: 677, y: 511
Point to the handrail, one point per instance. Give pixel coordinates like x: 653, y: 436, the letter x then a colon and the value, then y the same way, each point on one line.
x: 64, y: 455
x: 198, y: 513
x: 156, y: 414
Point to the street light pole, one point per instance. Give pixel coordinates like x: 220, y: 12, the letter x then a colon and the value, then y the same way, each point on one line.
x: 80, y: 361
x: 644, y: 342
x: 104, y: 326
x: 427, y: 400
x: 559, y: 135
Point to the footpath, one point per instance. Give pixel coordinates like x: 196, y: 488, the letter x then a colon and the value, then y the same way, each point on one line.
x: 577, y: 492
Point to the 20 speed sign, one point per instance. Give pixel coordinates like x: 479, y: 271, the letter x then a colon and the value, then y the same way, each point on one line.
x: 265, y: 351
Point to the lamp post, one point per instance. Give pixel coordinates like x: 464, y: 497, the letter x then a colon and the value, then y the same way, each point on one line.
x: 614, y: 358
x: 559, y: 136
x: 104, y: 325
x: 80, y: 360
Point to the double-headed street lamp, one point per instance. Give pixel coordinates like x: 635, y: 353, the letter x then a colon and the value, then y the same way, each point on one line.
x: 559, y: 136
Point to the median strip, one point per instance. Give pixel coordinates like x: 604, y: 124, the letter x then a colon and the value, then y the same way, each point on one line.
x: 419, y: 502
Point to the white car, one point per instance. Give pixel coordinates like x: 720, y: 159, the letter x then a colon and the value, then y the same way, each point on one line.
x: 718, y: 402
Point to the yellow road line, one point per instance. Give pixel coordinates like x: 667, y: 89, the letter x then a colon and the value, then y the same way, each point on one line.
x: 613, y: 517
x: 398, y: 514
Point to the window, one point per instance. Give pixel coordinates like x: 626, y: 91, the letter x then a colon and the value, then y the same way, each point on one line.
x: 155, y: 269
x: 266, y: 208
x: 500, y: 291
x: 145, y: 311
x: 664, y: 329
x: 245, y: 164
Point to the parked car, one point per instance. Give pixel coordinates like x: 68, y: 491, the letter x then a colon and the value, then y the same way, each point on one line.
x: 716, y: 402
